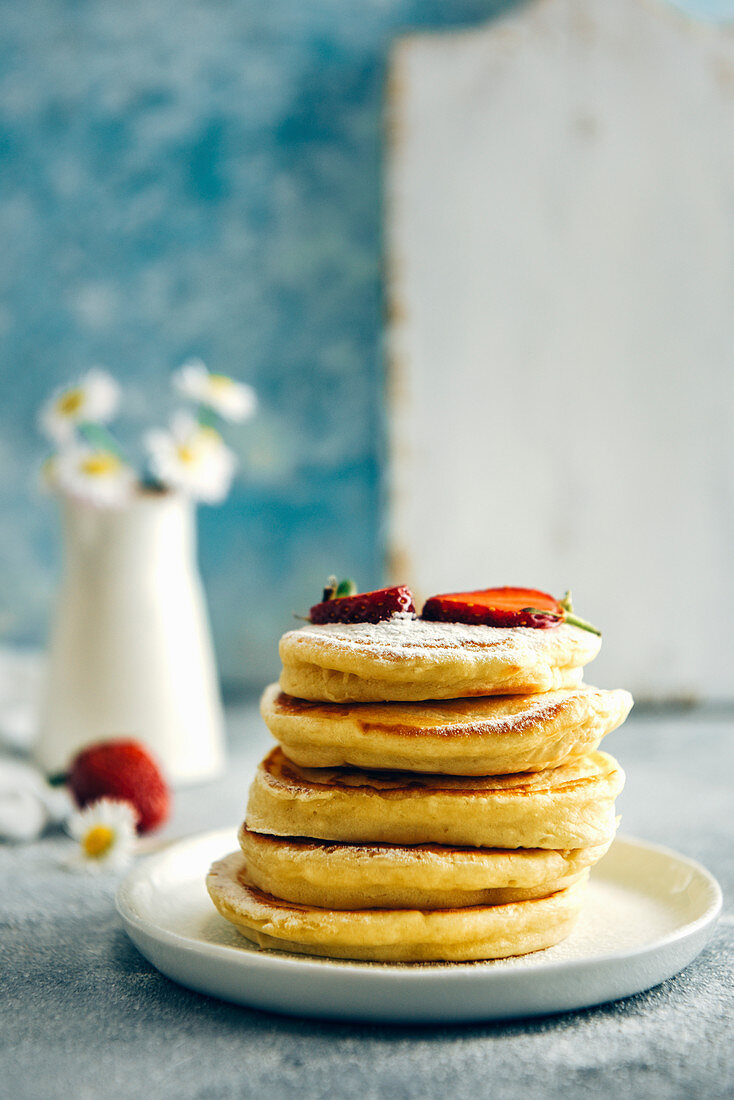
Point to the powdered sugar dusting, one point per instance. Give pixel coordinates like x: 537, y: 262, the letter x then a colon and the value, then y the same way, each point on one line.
x: 403, y: 633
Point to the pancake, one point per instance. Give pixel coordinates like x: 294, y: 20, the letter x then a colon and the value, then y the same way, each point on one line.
x: 496, y: 735
x: 407, y: 659
x: 571, y: 806
x: 391, y: 935
x: 385, y: 876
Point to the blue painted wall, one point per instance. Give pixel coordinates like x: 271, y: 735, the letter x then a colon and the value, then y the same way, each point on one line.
x: 202, y: 177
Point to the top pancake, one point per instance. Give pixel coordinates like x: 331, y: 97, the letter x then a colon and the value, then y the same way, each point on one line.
x: 406, y: 659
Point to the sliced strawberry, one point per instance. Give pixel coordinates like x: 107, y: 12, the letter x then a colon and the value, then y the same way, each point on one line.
x: 496, y: 607
x: 367, y: 607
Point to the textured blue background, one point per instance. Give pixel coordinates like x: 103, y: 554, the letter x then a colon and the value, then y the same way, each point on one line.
x: 203, y: 177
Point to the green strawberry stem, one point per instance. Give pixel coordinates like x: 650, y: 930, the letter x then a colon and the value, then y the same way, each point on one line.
x: 566, y: 617
x: 574, y: 620
x: 336, y: 589
x: 566, y: 602
x: 329, y: 589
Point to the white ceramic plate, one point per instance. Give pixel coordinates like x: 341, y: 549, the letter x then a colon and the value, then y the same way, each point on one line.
x: 648, y: 913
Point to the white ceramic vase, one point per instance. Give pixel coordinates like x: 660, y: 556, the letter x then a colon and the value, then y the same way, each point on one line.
x: 131, y: 652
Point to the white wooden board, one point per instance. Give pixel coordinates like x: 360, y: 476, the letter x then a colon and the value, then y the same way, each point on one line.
x: 560, y: 201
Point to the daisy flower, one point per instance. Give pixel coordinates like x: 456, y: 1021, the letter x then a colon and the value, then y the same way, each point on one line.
x: 192, y: 458
x: 94, y: 398
x: 94, y: 474
x: 229, y: 399
x: 105, y: 832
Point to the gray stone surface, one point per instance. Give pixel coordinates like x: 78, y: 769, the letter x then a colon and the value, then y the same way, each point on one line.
x: 82, y: 1014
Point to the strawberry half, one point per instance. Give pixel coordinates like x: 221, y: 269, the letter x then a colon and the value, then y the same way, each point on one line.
x: 366, y: 607
x: 123, y: 770
x: 496, y: 607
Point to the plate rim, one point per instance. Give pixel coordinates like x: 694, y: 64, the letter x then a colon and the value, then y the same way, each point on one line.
x: 411, y: 972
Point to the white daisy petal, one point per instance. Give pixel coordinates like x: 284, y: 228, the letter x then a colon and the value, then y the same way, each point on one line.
x: 183, y: 426
x: 190, y: 379
x: 94, y: 474
x: 231, y: 400
x: 102, y: 396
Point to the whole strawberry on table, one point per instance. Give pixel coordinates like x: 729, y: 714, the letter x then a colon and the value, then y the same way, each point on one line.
x: 124, y: 770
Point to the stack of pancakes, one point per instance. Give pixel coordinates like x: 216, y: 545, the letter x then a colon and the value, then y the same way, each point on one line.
x: 437, y: 793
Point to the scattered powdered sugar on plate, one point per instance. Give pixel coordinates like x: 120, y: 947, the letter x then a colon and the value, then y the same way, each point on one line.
x: 615, y: 917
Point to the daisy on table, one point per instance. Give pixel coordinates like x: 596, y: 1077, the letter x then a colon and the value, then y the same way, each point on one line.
x: 231, y: 400
x: 93, y: 399
x: 105, y: 832
x: 192, y: 458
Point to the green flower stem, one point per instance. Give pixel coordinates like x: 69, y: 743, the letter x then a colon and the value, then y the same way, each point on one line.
x: 207, y: 417
x: 151, y: 484
x: 98, y: 436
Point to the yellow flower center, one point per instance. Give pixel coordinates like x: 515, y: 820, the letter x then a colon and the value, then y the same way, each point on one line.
x: 71, y: 402
x: 190, y: 453
x: 186, y: 454
x: 98, y: 841
x: 100, y: 464
x: 220, y: 381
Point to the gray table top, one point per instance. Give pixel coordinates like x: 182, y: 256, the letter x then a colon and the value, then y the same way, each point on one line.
x: 83, y: 1014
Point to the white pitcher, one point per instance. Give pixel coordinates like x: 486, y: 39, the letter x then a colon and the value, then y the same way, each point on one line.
x: 131, y: 652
